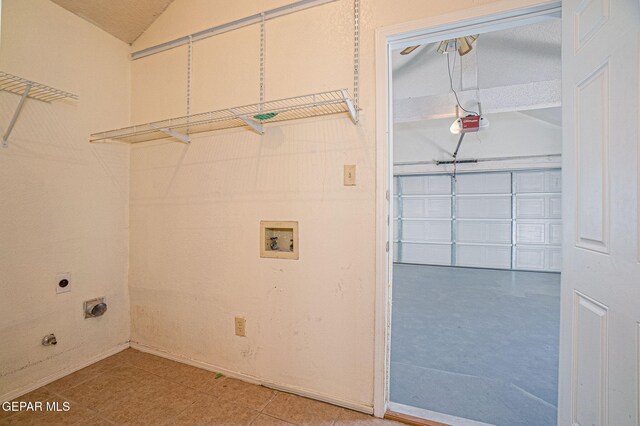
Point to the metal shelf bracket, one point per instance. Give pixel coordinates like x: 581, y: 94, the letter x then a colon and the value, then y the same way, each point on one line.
x: 7, y: 133
x: 255, y: 125
x: 182, y: 137
x: 27, y: 89
x: 353, y: 113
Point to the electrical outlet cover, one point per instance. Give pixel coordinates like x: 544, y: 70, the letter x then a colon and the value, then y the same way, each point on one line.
x: 63, y: 282
x: 241, y: 326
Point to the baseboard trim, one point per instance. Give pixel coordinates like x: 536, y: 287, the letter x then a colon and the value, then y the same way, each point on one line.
x: 411, y: 420
x: 60, y: 374
x: 320, y: 397
x: 413, y: 415
x: 255, y: 380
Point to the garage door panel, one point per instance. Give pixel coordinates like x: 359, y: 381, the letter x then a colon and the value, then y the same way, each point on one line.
x: 539, y: 232
x: 426, y: 230
x: 539, y: 206
x: 483, y: 183
x: 428, y: 254
x: 482, y: 222
x: 428, y: 208
x: 531, y: 233
x: 539, y: 181
x: 490, y: 207
x: 414, y: 185
x: 530, y: 182
x: 396, y: 230
x: 555, y: 206
x: 531, y: 258
x: 555, y: 259
x: 538, y: 258
x: 473, y: 231
x: 483, y: 256
x: 554, y: 181
x: 425, y: 185
x: 555, y: 233
x: 530, y: 207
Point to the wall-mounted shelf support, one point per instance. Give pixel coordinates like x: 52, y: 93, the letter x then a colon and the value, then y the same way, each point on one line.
x: 27, y: 89
x: 353, y: 112
x: 184, y: 138
x: 255, y: 125
x: 230, y: 26
x: 7, y: 133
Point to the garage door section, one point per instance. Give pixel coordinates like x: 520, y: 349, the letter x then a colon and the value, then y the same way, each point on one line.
x: 483, y: 220
x: 501, y: 220
x: 538, y: 235
x: 424, y: 219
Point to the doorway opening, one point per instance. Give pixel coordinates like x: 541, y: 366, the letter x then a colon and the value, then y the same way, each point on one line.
x: 476, y: 228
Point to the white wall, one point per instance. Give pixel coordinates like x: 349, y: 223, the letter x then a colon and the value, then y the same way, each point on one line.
x: 64, y: 202
x: 518, y: 55
x: 195, y: 210
x: 509, y: 134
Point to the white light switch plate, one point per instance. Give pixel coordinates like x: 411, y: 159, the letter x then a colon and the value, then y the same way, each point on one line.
x: 349, y: 175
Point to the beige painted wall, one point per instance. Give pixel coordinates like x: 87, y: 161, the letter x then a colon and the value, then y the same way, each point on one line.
x: 63, y: 202
x: 195, y: 210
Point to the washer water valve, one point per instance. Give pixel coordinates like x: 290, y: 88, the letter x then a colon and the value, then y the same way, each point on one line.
x: 49, y: 340
x: 95, y: 308
x: 274, y: 243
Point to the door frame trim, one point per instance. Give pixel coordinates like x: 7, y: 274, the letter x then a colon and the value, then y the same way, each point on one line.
x: 490, y: 17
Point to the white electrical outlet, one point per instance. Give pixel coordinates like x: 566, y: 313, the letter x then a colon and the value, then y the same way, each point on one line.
x: 63, y: 282
x: 241, y: 327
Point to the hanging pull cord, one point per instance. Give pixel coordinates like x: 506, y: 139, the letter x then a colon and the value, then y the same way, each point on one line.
x: 450, y: 73
x: 455, y: 155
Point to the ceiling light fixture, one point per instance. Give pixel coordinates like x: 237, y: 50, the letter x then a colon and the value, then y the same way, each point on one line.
x: 409, y: 49
x: 461, y: 44
x: 461, y: 126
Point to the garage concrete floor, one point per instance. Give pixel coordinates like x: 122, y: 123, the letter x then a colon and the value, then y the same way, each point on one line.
x: 476, y: 343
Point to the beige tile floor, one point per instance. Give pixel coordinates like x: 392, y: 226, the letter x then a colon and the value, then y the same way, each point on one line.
x: 136, y: 388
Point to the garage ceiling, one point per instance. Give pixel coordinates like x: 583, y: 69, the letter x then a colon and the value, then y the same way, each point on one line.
x: 500, y: 58
x: 509, y: 70
x: 124, y: 19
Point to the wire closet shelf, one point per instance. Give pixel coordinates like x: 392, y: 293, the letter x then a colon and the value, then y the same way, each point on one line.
x: 27, y: 89
x: 19, y: 86
x: 250, y: 116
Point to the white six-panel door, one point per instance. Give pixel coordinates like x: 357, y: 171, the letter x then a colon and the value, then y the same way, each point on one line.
x: 600, y: 332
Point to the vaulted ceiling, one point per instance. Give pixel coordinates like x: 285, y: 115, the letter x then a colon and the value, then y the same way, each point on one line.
x: 124, y: 19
